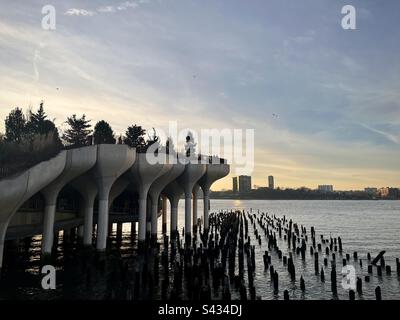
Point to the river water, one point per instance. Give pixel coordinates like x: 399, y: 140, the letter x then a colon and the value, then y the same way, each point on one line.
x: 364, y: 226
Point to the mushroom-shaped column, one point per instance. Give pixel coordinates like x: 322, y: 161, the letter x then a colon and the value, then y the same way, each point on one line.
x: 14, y: 191
x: 155, y: 190
x: 118, y: 187
x: 174, y: 192
x: 164, y: 214
x: 87, y: 188
x: 214, y: 172
x: 112, y: 161
x: 144, y: 174
x: 193, y: 172
x: 78, y: 162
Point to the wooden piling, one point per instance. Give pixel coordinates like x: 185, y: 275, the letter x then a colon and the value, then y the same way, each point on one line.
x: 359, y: 285
x: 302, y: 284
x: 378, y: 294
x: 286, y: 295
x: 333, y: 280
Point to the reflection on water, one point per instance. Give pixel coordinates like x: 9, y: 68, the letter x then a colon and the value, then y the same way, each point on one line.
x: 364, y: 226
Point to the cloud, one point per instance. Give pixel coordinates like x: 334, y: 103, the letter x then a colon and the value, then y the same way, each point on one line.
x: 122, y: 6
x: 106, y: 9
x: 79, y: 12
x: 390, y: 137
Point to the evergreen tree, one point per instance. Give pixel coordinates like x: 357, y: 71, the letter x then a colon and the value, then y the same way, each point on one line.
x: 134, y: 137
x: 15, y: 126
x: 39, y: 124
x: 78, y: 133
x: 39, y: 117
x: 103, y: 133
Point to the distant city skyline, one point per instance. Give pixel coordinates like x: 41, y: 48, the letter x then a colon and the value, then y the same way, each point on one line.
x: 324, y: 102
x: 270, y: 184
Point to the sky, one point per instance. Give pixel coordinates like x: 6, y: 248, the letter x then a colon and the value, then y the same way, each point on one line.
x: 324, y: 102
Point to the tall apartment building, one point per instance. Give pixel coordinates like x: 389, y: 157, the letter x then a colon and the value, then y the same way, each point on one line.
x: 244, y: 183
x: 271, y: 183
x: 235, y: 184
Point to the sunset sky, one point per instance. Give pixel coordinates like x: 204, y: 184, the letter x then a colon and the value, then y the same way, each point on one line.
x: 324, y: 102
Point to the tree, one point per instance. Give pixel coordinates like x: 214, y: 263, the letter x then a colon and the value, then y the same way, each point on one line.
x: 37, y: 119
x: 15, y: 126
x: 103, y: 133
x: 134, y: 137
x: 78, y: 133
x: 39, y: 124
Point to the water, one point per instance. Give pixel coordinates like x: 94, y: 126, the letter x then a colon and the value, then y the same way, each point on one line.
x: 364, y: 226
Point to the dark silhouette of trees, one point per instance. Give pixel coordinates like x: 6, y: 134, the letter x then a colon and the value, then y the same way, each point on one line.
x: 27, y: 143
x: 120, y: 140
x: 78, y: 133
x: 134, y: 137
x: 39, y: 124
x: 103, y: 133
x: 15, y: 126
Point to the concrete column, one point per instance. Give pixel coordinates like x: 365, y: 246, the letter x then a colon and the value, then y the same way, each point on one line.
x: 88, y: 225
x: 174, y: 217
x: 102, y: 225
x: 3, y: 230
x: 193, y: 172
x: 213, y: 173
x: 164, y: 214
x: 48, y: 228
x: 195, y: 197
x: 142, y: 218
x: 148, y: 218
x: 133, y: 228
x: 206, y: 198
x: 188, y: 217
x: 16, y: 190
x: 80, y: 232
x: 148, y: 230
x: 112, y: 161
x: 154, y: 211
x: 87, y: 187
x: 78, y: 161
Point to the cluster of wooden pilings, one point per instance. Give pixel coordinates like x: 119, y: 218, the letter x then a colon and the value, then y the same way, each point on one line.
x: 221, y: 263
